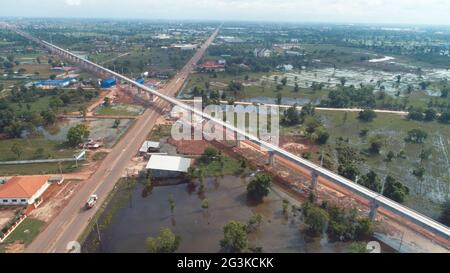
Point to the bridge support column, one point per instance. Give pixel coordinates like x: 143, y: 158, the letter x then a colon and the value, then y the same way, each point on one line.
x: 271, y: 158
x: 314, y: 180
x: 373, y: 210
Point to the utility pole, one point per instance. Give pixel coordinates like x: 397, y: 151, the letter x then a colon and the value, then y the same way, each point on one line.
x: 98, y: 232
x: 401, y: 242
x: 60, y: 169
x: 129, y: 187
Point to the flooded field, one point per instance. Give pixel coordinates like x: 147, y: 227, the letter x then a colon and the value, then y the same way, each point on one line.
x: 426, y: 193
x: 388, y: 80
x: 100, y: 129
x: 125, y: 229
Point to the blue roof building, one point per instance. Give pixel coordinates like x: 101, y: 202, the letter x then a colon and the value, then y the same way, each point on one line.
x: 108, y: 83
x: 140, y: 81
x: 56, y: 83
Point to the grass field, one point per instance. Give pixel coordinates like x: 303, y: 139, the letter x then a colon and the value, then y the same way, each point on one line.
x: 160, y: 131
x: 25, y: 232
x: 37, y: 169
x: 229, y: 166
x: 29, y: 147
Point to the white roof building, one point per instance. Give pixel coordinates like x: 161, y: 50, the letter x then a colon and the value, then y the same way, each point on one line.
x: 169, y: 163
x: 148, y: 145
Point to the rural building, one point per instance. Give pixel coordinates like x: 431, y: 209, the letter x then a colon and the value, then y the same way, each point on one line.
x: 24, y: 190
x: 262, y: 52
x: 183, y: 46
x: 163, y: 166
x: 285, y: 67
x: 212, y: 66
x: 149, y: 147
x: 55, y: 83
x: 108, y: 83
x: 140, y: 81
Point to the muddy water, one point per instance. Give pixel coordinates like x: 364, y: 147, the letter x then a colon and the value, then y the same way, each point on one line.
x: 201, y: 229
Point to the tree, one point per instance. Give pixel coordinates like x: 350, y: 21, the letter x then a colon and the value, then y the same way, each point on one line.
x: 83, y: 112
x: 430, y: 114
x: 279, y: 98
x: 367, y: 115
x: 254, y: 223
x: 165, y: 242
x: 371, y: 181
x: 395, y: 190
x: 17, y: 149
x: 357, y: 248
x: 376, y: 143
x: 106, y: 102
x: 56, y: 103
x: 317, y: 219
x: 445, y: 215
x: 258, y: 188
x: 291, y: 116
x: 425, y: 154
x: 234, y: 237
x: 364, y: 132
x: 284, y: 81
x: 321, y: 136
x: 209, y: 155
x: 416, y: 136
x: 296, y: 88
x: 445, y: 117
x: 419, y: 172
x: 205, y: 203
x: 390, y: 156
x: 116, y: 123
x: 445, y: 92
x: 415, y: 114
x: 77, y: 134
x: 171, y: 204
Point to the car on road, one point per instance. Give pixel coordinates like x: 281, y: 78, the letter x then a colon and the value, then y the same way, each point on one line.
x: 91, y: 201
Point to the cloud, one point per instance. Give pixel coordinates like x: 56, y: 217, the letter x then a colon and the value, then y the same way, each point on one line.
x: 352, y: 11
x: 73, y: 2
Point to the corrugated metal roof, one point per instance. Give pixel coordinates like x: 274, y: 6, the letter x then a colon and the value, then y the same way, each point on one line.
x: 147, y: 145
x: 169, y: 163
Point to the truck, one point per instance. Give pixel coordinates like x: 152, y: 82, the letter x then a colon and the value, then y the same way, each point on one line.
x: 91, y: 201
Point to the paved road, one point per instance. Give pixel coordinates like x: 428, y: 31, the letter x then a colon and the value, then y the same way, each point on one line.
x: 244, y: 103
x: 69, y: 224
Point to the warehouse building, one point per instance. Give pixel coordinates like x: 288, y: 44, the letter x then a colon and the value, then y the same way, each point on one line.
x: 164, y: 166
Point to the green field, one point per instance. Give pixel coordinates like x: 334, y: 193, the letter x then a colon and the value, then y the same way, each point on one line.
x: 29, y: 148
x: 229, y: 166
x: 37, y: 169
x: 26, y: 231
x: 159, y: 132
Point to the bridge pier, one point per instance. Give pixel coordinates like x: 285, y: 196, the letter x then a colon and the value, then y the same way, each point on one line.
x: 314, y: 180
x: 271, y: 158
x: 373, y: 210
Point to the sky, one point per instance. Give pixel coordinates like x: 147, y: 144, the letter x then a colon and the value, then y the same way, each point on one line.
x: 339, y: 11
